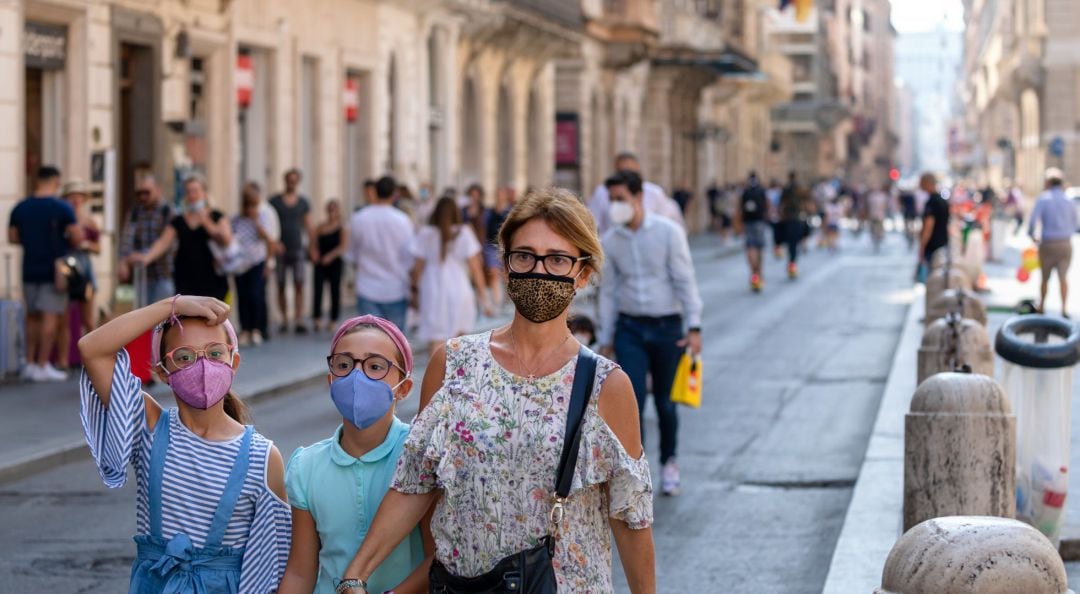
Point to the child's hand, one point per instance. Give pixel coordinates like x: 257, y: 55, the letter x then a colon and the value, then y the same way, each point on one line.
x: 212, y: 310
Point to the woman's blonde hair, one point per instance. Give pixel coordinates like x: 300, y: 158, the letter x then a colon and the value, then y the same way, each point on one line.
x: 565, y: 214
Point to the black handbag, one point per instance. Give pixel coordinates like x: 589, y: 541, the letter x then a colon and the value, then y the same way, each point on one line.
x: 530, y: 571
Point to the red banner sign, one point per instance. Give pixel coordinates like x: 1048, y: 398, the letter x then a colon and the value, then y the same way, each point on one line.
x: 245, y: 80
x: 351, y: 99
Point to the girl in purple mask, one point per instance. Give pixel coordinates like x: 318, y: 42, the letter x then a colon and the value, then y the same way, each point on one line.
x: 211, y: 513
x: 336, y: 485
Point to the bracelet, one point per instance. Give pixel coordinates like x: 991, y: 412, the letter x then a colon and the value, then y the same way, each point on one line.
x: 173, y: 319
x: 344, y: 585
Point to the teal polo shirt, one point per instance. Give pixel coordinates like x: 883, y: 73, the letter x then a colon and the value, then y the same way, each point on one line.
x: 342, y: 494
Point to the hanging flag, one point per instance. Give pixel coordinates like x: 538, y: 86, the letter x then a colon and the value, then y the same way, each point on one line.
x: 802, y: 9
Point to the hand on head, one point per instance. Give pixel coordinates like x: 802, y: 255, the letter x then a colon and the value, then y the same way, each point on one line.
x: 214, y: 311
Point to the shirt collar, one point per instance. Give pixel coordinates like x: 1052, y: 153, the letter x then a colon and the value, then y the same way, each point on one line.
x: 342, y: 458
x: 647, y: 221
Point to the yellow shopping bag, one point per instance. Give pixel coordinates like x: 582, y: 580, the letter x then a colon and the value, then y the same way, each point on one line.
x: 687, y: 387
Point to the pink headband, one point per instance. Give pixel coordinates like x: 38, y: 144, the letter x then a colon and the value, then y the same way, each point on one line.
x: 386, y: 326
x: 159, y: 330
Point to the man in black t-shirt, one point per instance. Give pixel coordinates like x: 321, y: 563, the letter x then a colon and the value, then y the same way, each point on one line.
x: 750, y: 221
x: 294, y: 250
x: 935, y: 231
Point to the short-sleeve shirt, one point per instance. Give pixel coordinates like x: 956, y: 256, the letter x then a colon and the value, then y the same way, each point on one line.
x: 292, y: 221
x: 938, y: 208
x: 342, y: 494
x: 194, y: 272
x: 42, y: 222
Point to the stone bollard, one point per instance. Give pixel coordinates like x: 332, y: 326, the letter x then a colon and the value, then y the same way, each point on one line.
x: 942, y: 279
x: 962, y: 301
x: 973, y: 555
x: 952, y: 344
x: 959, y: 450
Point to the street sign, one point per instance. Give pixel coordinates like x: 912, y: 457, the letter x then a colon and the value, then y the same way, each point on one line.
x: 351, y: 99
x: 1057, y: 146
x: 245, y: 80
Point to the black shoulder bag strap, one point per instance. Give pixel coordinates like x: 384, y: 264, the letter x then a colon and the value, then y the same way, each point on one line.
x: 584, y: 379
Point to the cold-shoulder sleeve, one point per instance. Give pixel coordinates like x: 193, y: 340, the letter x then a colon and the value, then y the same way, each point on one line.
x: 603, y: 459
x: 114, y: 432
x: 268, y: 543
x: 418, y: 466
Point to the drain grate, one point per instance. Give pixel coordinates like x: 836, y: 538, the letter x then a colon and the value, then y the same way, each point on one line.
x: 796, y: 485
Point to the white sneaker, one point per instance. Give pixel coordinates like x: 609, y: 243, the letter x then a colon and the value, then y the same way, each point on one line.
x: 51, y: 374
x: 256, y: 338
x: 244, y: 339
x: 30, y: 372
x: 669, y: 478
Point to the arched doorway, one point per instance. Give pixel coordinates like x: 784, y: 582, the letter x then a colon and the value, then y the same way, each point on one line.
x: 506, y: 155
x: 437, y: 111
x: 392, y: 115
x: 540, y: 164
x: 1030, y: 140
x: 471, y: 133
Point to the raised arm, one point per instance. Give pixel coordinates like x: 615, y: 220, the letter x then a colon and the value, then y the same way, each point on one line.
x: 99, y: 348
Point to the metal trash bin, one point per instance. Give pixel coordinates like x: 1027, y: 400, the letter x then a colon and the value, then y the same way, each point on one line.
x: 1039, y: 354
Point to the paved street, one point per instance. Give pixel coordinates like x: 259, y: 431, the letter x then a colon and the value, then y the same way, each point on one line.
x: 792, y: 380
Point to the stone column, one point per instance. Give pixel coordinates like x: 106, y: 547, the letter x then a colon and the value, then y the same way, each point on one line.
x: 961, y: 301
x: 959, y: 450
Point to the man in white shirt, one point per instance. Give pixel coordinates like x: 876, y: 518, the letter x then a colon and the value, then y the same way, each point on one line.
x: 655, y: 200
x: 380, y: 237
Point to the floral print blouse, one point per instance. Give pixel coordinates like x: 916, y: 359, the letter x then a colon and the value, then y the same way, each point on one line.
x: 491, y: 441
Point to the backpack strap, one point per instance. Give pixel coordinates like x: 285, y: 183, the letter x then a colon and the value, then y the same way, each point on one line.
x: 584, y: 380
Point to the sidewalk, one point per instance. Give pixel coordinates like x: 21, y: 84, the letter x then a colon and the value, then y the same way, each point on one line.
x: 873, y: 522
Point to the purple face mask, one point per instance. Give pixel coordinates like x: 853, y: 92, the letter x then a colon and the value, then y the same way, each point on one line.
x: 203, y: 384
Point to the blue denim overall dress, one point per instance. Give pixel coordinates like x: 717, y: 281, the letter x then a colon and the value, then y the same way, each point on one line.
x: 176, y: 566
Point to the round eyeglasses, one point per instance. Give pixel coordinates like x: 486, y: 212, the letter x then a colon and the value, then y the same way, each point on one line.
x: 557, y: 264
x: 375, y: 367
x: 183, y: 357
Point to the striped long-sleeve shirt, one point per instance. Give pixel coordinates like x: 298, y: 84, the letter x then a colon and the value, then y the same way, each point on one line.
x: 196, y: 471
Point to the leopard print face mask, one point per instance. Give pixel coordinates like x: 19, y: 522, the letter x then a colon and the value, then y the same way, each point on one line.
x: 540, y: 298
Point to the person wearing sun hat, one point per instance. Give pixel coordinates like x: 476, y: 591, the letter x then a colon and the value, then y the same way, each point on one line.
x: 336, y: 485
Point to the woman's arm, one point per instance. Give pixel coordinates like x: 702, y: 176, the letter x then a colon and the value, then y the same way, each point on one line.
x: 417, y: 582
x: 98, y: 348
x: 636, y: 551
x: 220, y: 231
x: 618, y: 408
x: 302, y: 570
x: 339, y: 251
x: 398, y: 514
x: 476, y: 270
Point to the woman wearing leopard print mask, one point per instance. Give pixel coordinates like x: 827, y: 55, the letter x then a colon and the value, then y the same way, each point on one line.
x: 481, y: 457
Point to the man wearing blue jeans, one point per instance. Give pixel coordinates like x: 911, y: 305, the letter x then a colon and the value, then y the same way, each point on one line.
x: 650, y: 310
x: 380, y: 239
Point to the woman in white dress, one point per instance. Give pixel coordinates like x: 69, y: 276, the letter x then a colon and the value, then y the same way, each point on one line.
x: 447, y: 254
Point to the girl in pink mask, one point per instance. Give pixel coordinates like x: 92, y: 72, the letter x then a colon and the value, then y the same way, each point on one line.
x: 211, y: 513
x: 336, y: 485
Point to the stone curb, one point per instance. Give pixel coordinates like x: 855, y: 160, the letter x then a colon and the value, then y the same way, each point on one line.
x: 873, y: 521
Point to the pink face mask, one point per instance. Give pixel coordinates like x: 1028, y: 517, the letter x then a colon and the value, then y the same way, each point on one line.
x: 203, y: 384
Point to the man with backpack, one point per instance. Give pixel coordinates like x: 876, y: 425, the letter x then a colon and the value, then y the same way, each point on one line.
x: 751, y: 218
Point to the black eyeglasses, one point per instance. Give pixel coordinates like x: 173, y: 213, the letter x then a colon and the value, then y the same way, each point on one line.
x: 557, y: 264
x: 375, y: 367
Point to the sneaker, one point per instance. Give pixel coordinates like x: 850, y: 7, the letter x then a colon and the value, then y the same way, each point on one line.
x: 792, y: 270
x: 48, y: 373
x: 30, y: 372
x: 756, y: 284
x: 244, y: 339
x: 669, y: 477
x: 284, y: 329
x: 301, y: 329
x: 256, y: 338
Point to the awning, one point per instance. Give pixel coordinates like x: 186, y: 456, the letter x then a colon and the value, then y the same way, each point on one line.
x: 725, y: 62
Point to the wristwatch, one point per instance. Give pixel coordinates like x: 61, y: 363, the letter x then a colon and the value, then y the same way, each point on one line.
x: 346, y: 585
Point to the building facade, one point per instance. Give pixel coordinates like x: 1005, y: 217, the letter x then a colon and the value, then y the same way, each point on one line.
x: 1020, y: 91
x: 522, y: 93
